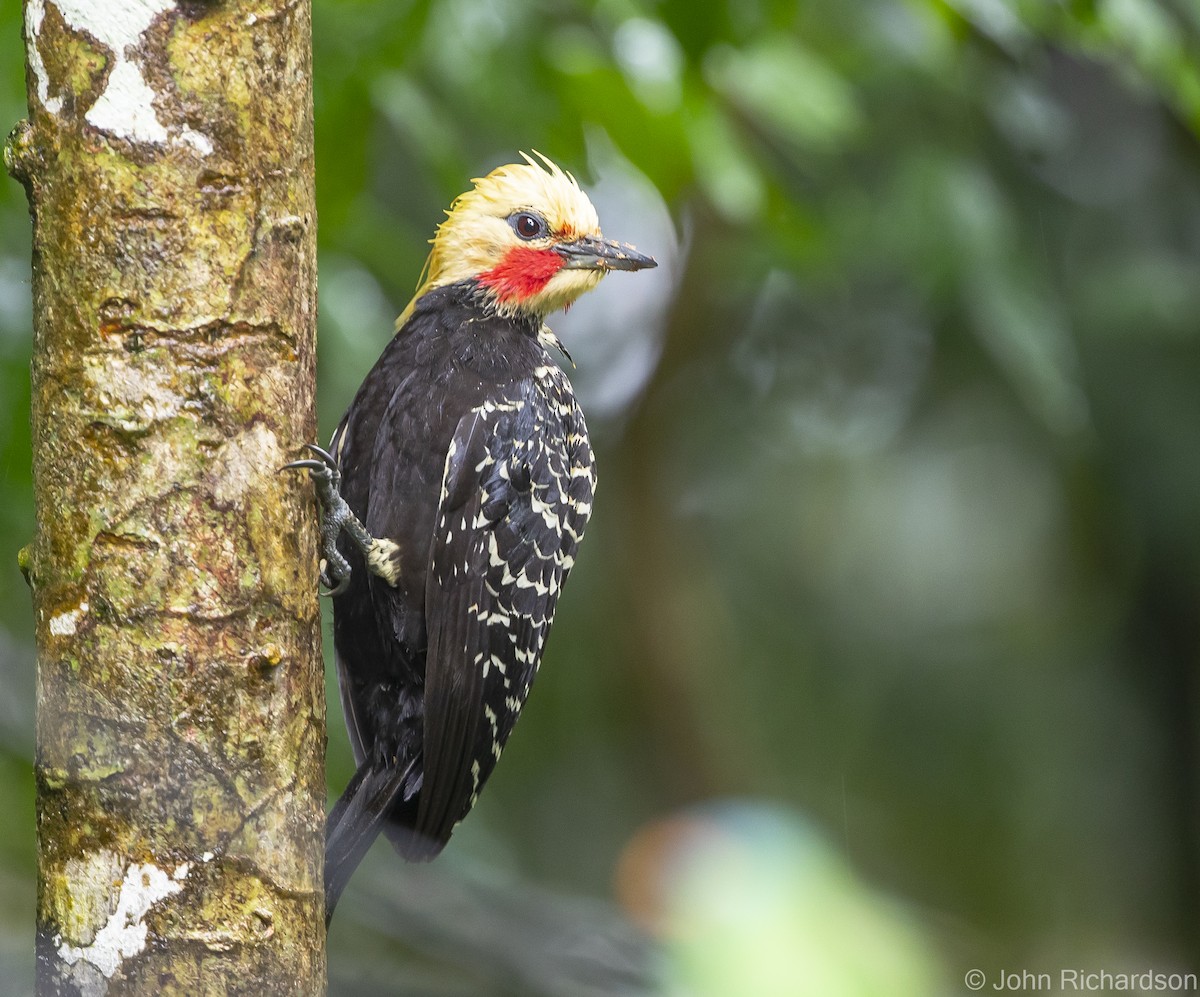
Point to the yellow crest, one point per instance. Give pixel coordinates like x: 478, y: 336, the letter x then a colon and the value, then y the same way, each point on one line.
x: 478, y: 234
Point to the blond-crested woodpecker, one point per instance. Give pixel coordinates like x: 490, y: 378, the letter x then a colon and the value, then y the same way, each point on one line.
x: 454, y: 498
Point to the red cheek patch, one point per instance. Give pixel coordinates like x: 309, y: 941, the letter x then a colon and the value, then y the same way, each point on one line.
x: 522, y: 273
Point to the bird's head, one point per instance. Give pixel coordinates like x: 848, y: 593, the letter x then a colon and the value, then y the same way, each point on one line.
x: 528, y: 237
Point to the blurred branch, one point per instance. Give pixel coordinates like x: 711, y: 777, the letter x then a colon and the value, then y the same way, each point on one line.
x: 513, y: 938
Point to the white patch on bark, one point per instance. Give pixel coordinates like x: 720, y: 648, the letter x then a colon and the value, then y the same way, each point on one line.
x: 65, y: 624
x: 197, y: 140
x: 35, y: 12
x: 126, y: 107
x: 123, y: 935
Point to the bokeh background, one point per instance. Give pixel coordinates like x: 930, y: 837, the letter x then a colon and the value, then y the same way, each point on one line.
x: 880, y: 660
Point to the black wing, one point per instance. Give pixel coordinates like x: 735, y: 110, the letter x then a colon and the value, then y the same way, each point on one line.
x: 515, y: 499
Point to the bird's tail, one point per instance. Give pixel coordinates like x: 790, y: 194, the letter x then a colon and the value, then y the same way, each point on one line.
x: 356, y: 819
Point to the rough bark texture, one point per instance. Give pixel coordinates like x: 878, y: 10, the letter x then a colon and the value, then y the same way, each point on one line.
x: 180, y: 734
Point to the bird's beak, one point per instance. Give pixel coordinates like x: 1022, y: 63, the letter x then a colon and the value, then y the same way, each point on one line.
x: 590, y: 253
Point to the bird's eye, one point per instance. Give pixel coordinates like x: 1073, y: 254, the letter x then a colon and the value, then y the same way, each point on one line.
x: 527, y: 226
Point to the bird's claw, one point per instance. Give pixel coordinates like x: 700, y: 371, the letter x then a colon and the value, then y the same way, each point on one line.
x: 334, y: 588
x: 324, y: 473
x: 335, y: 514
x: 329, y: 459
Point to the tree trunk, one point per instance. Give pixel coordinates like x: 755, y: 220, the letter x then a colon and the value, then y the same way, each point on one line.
x: 180, y: 731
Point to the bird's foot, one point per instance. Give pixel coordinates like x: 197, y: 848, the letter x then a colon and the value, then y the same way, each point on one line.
x: 336, y: 516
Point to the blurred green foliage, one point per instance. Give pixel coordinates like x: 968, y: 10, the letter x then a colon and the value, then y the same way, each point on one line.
x: 899, y: 452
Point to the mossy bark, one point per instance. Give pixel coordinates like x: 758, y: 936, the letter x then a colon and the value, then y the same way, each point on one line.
x: 168, y: 159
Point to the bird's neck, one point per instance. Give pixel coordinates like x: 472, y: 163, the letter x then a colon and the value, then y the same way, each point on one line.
x: 477, y: 295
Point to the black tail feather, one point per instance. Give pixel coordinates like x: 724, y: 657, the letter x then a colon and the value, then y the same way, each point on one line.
x: 359, y: 815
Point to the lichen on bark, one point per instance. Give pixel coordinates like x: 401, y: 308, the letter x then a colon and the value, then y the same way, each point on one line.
x: 169, y: 166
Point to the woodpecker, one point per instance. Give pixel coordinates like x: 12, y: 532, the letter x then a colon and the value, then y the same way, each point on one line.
x: 454, y: 495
